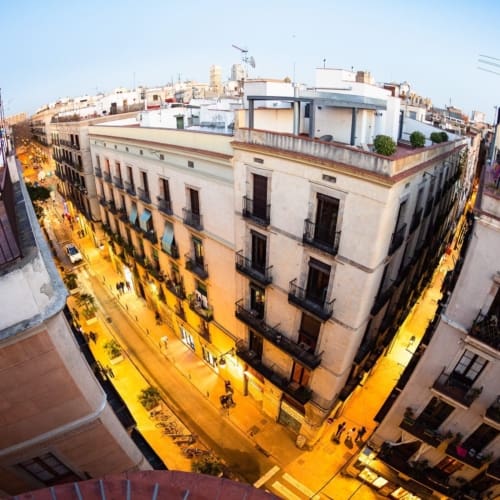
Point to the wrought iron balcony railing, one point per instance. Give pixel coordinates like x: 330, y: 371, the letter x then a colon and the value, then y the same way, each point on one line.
x: 320, y: 236
x: 118, y: 182
x: 397, y: 239
x: 196, y: 305
x: 143, y: 195
x: 258, y: 212
x: 299, y: 393
x: 98, y: 171
x: 192, y: 219
x: 176, y: 288
x: 196, y: 267
x: 107, y: 176
x: 300, y: 352
x: 130, y: 188
x: 253, y: 270
x: 456, y: 389
x: 486, y: 329
x: 164, y: 205
x: 309, y: 301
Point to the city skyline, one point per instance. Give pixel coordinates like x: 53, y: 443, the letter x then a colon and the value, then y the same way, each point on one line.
x: 66, y: 50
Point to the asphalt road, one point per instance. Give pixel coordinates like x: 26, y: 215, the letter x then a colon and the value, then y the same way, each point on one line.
x: 193, y: 410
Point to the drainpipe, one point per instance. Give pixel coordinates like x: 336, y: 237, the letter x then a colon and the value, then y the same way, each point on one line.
x: 296, y: 111
x: 353, y: 125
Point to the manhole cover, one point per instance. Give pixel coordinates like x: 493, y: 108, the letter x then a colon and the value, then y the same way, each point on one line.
x: 253, y: 430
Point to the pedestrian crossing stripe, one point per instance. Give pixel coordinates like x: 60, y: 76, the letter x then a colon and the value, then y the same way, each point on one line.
x: 298, y: 485
x: 283, y: 490
x: 268, y: 475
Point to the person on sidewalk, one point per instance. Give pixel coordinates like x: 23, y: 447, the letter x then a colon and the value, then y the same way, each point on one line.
x: 110, y: 372
x: 361, y: 433
x: 164, y: 342
x: 340, y: 430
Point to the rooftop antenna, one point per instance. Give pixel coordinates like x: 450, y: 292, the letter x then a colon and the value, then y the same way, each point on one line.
x: 247, y: 60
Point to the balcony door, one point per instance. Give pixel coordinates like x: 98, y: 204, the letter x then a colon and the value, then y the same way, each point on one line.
x: 194, y: 202
x: 309, y: 331
x: 317, y: 281
x: 259, y: 244
x: 480, y: 438
x: 327, y: 212
x: 435, y: 413
x: 198, y: 252
x: 300, y: 375
x: 260, y: 196
x: 256, y: 344
x: 257, y: 300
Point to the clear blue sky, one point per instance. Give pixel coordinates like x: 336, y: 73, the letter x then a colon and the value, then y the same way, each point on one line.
x: 54, y: 48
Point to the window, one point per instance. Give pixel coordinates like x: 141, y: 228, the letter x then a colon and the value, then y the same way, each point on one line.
x: 257, y: 300
x: 448, y: 465
x: 201, y: 295
x: 469, y: 367
x: 168, y: 239
x: 327, y: 211
x: 194, y: 201
x: 130, y: 174
x: 256, y: 344
x: 480, y: 438
x: 165, y: 190
x: 118, y: 170
x: 146, y: 222
x: 435, y: 413
x: 309, y: 331
x: 49, y: 470
x: 300, y: 375
x: 259, y: 243
x: 133, y: 214
x: 317, y: 281
x: 98, y: 161
x: 401, y: 215
x: 198, y: 252
x: 145, y: 183
x: 260, y: 196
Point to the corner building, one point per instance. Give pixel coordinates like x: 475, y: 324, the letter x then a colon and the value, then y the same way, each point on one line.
x: 288, y: 253
x: 57, y: 425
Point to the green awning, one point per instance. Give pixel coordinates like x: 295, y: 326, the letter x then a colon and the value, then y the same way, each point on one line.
x: 143, y: 221
x: 168, y: 238
x: 133, y: 215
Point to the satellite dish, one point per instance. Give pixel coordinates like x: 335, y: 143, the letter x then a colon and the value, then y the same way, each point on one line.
x: 251, y: 61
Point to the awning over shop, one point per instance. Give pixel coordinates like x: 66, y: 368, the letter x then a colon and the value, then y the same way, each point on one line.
x: 133, y: 215
x: 168, y: 238
x: 143, y: 221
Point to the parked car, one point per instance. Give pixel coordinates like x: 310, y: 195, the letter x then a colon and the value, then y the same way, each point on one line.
x: 73, y: 253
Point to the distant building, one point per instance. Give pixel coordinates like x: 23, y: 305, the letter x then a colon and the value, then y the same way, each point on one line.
x: 237, y: 72
x: 14, y: 119
x: 478, y: 117
x: 216, y: 79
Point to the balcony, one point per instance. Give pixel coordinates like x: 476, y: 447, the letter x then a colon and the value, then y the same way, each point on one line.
x: 204, y: 331
x: 297, y: 392
x: 98, y: 172
x: 102, y: 201
x: 174, y: 251
x: 259, y: 213
x: 179, y: 310
x: 320, y: 236
x: 130, y: 188
x: 150, y: 235
x: 248, y: 268
x: 486, y: 329
x: 302, y: 298
x: 196, y: 305
x: 198, y: 268
x: 415, y: 220
x: 123, y: 216
x: 176, y: 288
x: 192, y: 219
x: 468, y: 456
x: 381, y: 300
x: 423, y: 431
x: 107, y: 177
x: 112, y: 207
x: 493, y: 411
x: 118, y: 182
x: 397, y: 239
x: 428, y: 206
x: 144, y: 195
x: 300, y: 352
x: 164, y: 205
x: 452, y: 388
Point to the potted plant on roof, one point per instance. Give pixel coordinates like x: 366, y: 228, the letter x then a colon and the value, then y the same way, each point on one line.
x: 87, y: 302
x: 114, y: 351
x: 150, y: 398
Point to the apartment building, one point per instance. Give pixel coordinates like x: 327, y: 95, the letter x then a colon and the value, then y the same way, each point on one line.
x: 439, y: 433
x: 287, y: 255
x: 57, y: 424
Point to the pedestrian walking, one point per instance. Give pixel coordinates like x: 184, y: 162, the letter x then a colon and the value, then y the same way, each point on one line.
x: 128, y: 285
x: 158, y: 318
x: 164, y: 342
x: 361, y: 433
x: 340, y: 430
x: 118, y: 287
x: 93, y: 337
x: 348, y: 435
x: 229, y: 388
